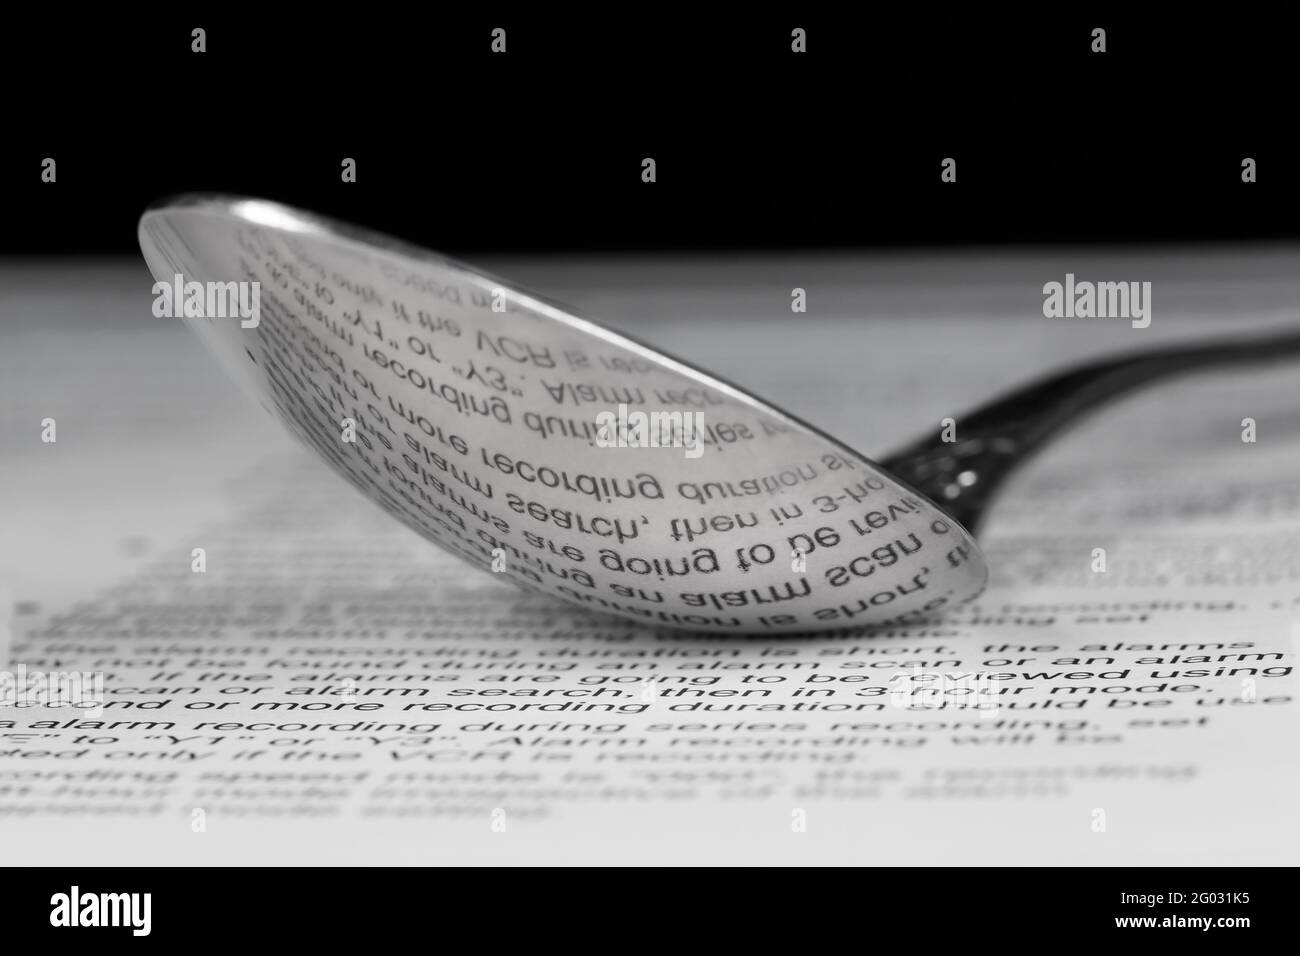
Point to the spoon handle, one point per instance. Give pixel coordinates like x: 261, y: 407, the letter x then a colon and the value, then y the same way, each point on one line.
x: 962, y: 474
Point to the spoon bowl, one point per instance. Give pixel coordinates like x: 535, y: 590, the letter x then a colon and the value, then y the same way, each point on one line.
x: 543, y: 447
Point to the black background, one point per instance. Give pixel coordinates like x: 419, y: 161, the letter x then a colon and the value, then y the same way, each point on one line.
x: 540, y: 149
x: 251, y: 909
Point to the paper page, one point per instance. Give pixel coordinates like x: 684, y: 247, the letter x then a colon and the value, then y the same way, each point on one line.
x: 332, y: 689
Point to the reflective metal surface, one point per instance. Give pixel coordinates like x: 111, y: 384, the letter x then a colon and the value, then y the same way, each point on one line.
x: 523, y: 438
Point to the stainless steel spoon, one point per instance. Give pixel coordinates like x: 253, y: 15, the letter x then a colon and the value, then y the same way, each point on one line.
x: 580, y: 463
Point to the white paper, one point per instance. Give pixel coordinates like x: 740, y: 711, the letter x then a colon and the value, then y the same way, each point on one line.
x: 616, y: 745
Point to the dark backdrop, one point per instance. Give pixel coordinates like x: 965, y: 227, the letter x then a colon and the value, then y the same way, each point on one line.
x: 540, y: 149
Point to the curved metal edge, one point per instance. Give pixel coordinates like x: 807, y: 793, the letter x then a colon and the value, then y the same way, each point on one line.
x: 280, y: 216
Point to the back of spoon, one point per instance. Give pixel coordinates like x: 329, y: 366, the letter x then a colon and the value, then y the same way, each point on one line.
x: 537, y: 444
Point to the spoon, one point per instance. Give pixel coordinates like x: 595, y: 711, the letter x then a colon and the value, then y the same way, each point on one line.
x: 577, y: 462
